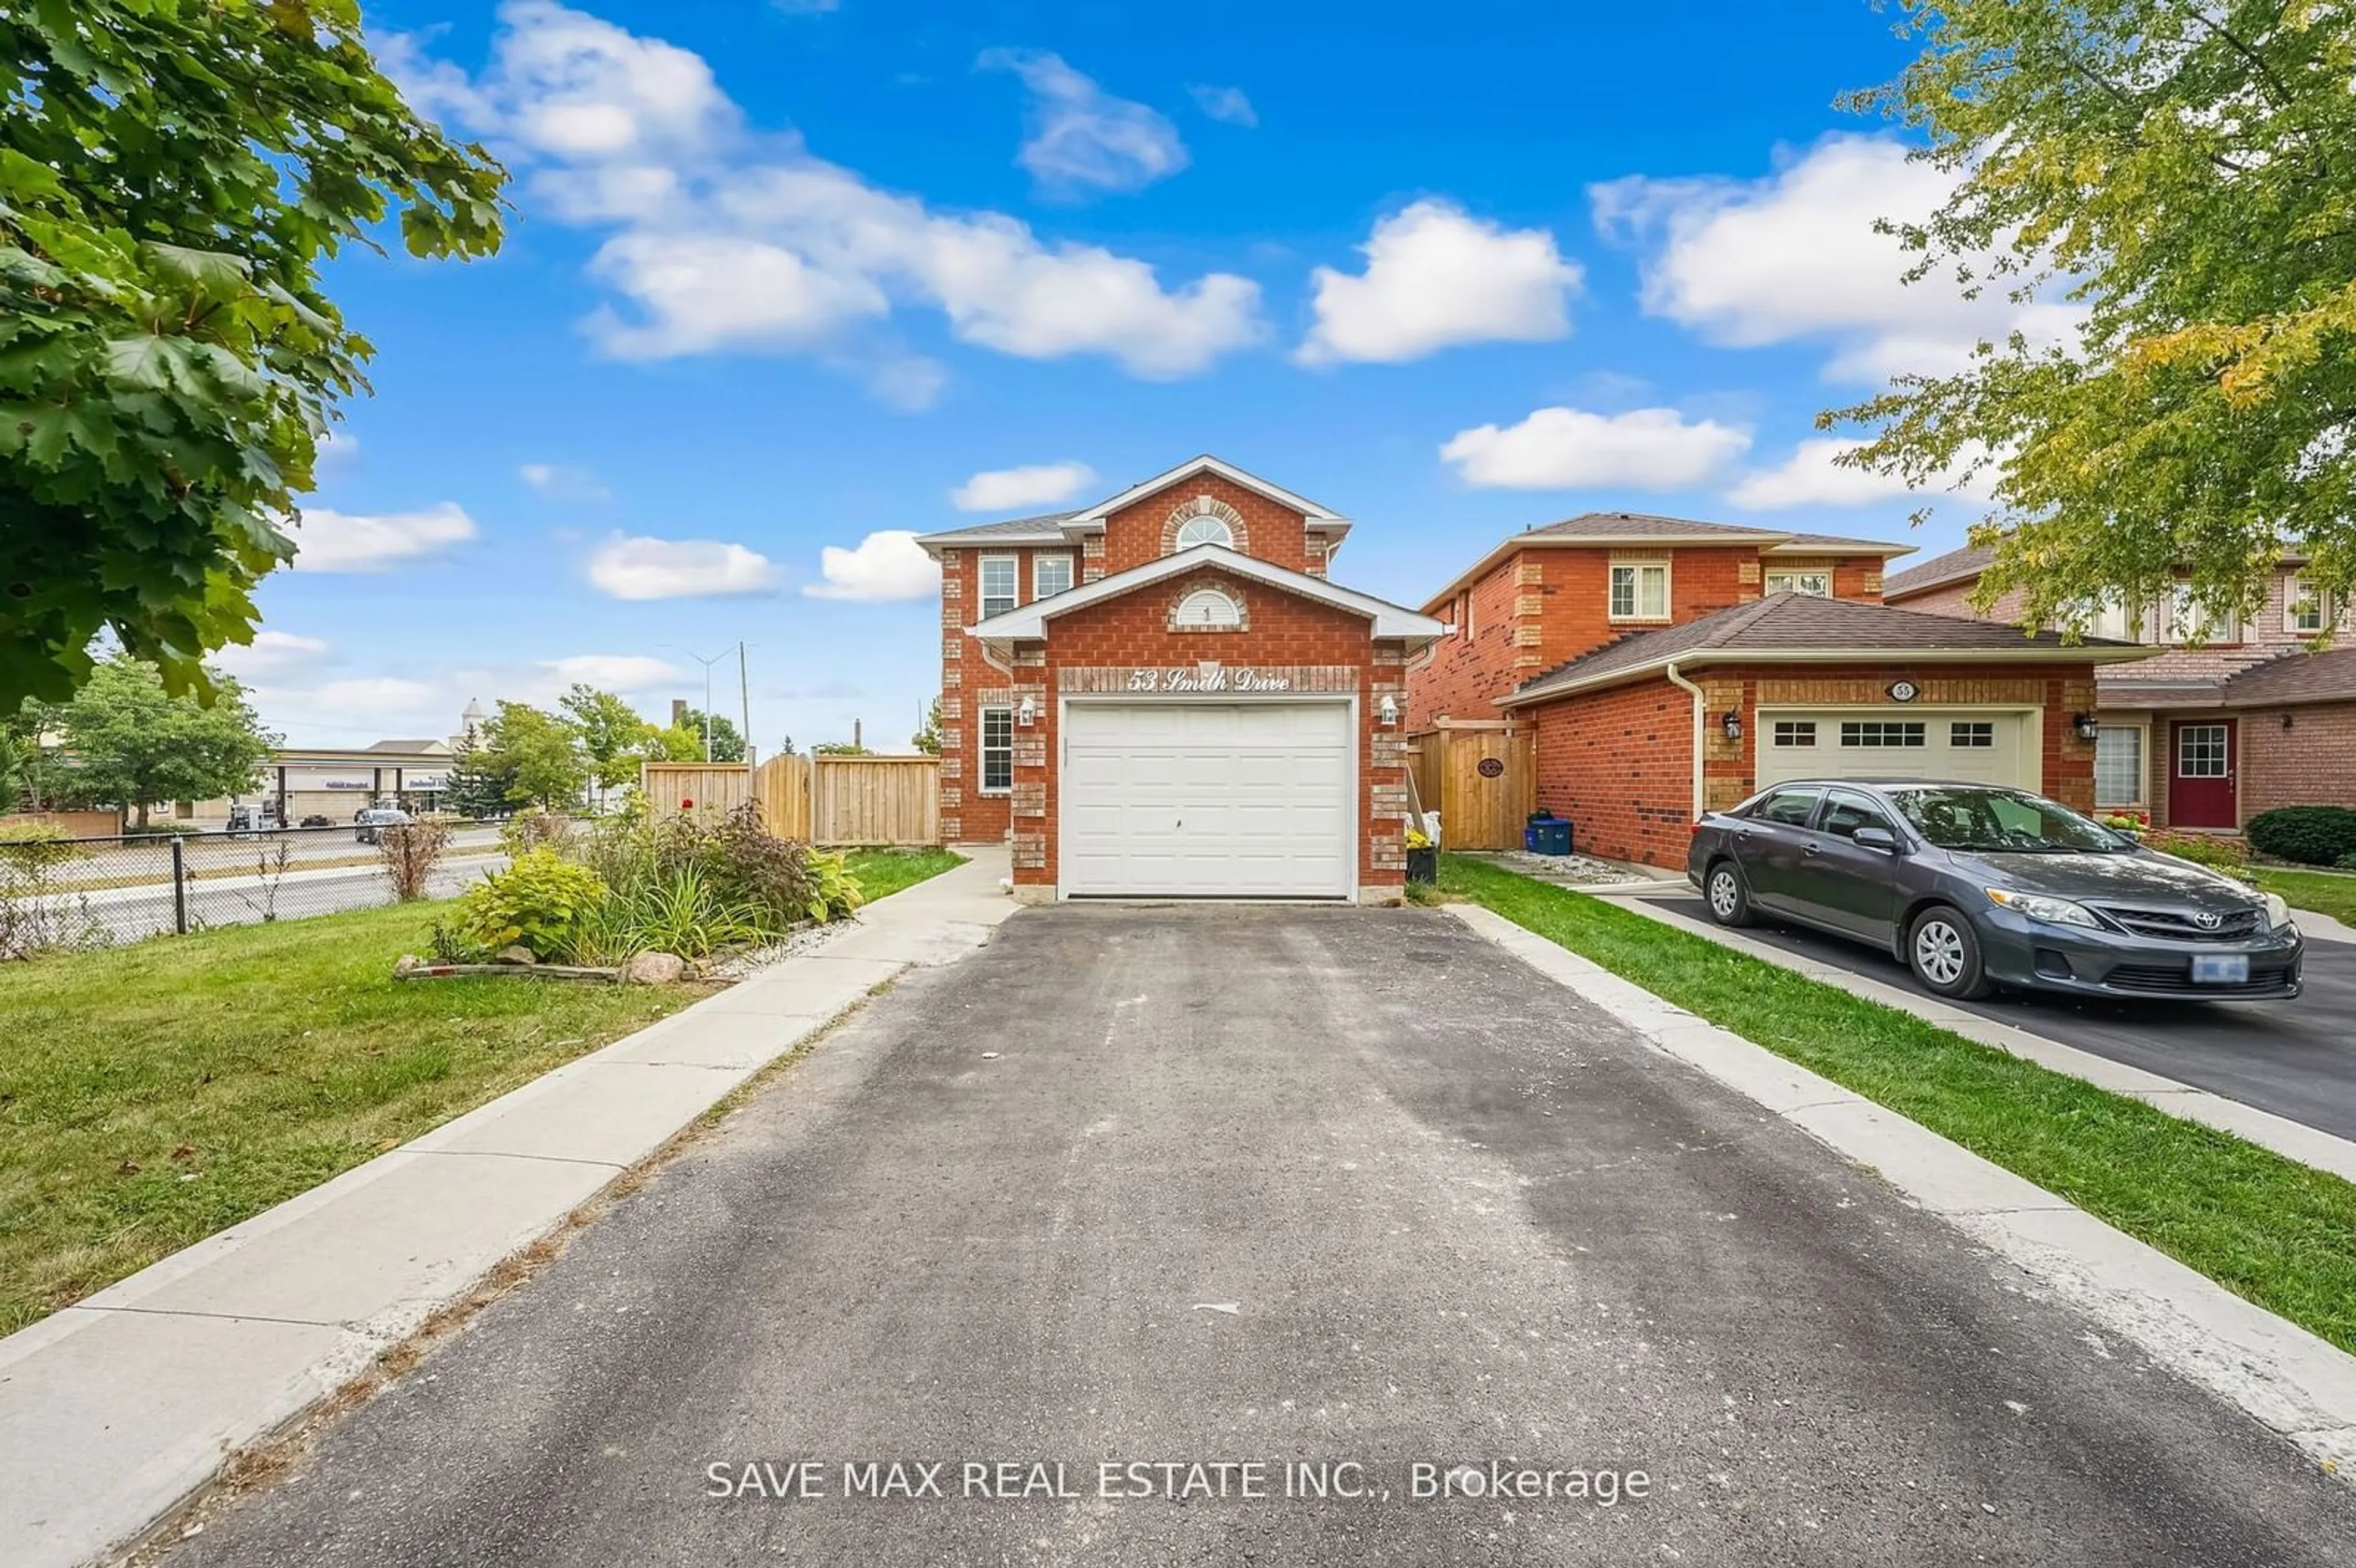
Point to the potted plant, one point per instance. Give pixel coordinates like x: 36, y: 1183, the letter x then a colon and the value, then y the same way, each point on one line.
x: 1422, y: 856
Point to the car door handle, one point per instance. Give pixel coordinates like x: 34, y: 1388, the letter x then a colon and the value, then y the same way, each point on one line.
x: 1812, y: 849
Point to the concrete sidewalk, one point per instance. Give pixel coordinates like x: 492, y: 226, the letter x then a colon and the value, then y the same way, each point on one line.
x: 114, y: 1410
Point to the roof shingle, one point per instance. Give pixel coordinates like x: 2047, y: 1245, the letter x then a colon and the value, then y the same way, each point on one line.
x: 1784, y: 622
x: 1955, y: 566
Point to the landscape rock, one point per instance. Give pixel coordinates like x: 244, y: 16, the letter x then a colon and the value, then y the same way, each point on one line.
x: 518, y: 953
x: 653, y: 969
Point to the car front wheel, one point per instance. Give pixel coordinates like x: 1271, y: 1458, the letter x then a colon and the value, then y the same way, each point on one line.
x: 1728, y: 899
x: 1946, y: 955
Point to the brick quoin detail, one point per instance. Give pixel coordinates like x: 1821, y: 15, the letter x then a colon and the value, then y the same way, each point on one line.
x: 1132, y: 631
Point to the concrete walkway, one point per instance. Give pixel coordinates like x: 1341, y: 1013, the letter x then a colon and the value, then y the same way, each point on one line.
x: 114, y: 1409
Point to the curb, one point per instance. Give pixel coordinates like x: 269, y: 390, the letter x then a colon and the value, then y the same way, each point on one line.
x: 2295, y: 1384
x: 115, y: 1410
x: 2292, y: 1140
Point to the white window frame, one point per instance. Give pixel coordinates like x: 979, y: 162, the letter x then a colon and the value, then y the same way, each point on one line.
x: 1889, y: 735
x: 2175, y: 608
x: 1225, y: 537
x: 1793, y: 734
x: 1014, y: 565
x: 1971, y: 734
x: 983, y: 750
x: 2294, y: 593
x: 2142, y: 732
x: 1636, y: 571
x: 1788, y: 582
x: 1039, y: 589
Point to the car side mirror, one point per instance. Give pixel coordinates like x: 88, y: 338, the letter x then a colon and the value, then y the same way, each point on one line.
x: 1876, y: 839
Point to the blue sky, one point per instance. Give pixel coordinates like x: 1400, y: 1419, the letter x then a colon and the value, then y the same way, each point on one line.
x: 786, y: 277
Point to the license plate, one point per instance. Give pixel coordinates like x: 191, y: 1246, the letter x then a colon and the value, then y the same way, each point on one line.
x: 2221, y: 969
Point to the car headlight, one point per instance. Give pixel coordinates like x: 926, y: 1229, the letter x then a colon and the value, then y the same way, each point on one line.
x: 2037, y: 906
x: 2278, y: 913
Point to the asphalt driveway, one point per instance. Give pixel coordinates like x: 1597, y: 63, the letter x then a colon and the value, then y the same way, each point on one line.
x: 1207, y: 1184
x: 2295, y: 1058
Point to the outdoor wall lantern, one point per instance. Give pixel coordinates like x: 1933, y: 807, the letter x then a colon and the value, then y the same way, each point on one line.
x: 1028, y: 713
x: 1731, y: 724
x: 1389, y: 710
x: 2089, y: 727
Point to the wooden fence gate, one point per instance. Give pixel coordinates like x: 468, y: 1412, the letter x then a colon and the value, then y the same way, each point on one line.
x: 824, y: 800
x: 1481, y: 776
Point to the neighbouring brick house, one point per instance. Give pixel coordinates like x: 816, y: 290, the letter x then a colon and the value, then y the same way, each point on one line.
x: 2201, y: 737
x: 1162, y: 694
x: 1553, y: 592
x: 1665, y: 668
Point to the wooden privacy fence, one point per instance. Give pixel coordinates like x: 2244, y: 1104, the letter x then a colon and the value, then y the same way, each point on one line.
x: 1481, y: 776
x: 826, y: 800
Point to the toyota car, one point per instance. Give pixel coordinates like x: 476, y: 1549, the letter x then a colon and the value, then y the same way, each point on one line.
x: 1973, y: 886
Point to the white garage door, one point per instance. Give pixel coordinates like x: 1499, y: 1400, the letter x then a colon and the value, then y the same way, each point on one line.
x: 1209, y: 799
x: 2000, y: 748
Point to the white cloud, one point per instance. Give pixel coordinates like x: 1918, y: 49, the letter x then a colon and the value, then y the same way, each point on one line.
x: 641, y: 567
x: 343, y: 541
x: 613, y: 672
x: 1083, y: 138
x: 1571, y: 449
x: 729, y: 239
x: 1008, y: 489
x: 560, y: 482
x: 1437, y: 277
x: 1227, y: 105
x: 886, y: 565
x: 271, y: 654
x: 1795, y: 256
x: 1811, y: 477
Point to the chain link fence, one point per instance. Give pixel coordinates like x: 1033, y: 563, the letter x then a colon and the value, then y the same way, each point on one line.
x: 92, y: 893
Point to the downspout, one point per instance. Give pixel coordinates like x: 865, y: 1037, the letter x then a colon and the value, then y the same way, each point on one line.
x: 1701, y: 730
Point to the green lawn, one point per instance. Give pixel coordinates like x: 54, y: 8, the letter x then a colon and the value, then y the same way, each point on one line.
x: 2280, y: 1233
x: 2322, y: 892
x: 883, y: 873
x: 153, y: 1095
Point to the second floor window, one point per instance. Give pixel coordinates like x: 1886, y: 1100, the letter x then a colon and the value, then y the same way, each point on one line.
x: 2303, y: 609
x: 2183, y: 620
x: 1204, y: 530
x: 1640, y: 592
x: 997, y: 585
x: 1050, y: 575
x: 1816, y: 584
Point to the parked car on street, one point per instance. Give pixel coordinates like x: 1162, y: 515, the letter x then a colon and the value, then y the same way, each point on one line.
x: 368, y: 822
x: 1976, y: 886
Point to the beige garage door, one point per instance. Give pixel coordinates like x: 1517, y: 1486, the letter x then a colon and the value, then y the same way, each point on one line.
x: 1979, y: 745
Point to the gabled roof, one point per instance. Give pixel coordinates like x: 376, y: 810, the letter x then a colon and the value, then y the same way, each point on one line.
x: 414, y: 748
x: 1031, y: 620
x: 1649, y: 530
x: 1963, y: 565
x: 1794, y: 628
x: 1320, y: 519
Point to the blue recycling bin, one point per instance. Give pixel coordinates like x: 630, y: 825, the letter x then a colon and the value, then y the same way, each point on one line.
x: 1546, y: 835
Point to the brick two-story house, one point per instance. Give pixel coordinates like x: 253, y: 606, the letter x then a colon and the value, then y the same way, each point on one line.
x: 2202, y: 736
x: 1666, y: 667
x: 1164, y: 694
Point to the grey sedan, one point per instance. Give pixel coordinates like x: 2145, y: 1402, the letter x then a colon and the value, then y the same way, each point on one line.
x: 1971, y: 887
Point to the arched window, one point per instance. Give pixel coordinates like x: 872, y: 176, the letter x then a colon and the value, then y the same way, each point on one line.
x: 1206, y: 531
x: 1207, y: 610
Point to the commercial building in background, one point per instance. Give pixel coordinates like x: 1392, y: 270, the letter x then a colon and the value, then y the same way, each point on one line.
x: 335, y: 783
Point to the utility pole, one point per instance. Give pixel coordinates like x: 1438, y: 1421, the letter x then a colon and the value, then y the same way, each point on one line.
x: 745, y: 706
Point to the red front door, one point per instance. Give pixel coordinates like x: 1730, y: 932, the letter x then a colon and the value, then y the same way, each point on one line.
x: 2200, y: 775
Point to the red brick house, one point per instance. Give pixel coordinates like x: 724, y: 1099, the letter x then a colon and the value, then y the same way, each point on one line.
x: 2221, y: 721
x: 1553, y: 592
x: 1163, y: 695
x: 1665, y: 667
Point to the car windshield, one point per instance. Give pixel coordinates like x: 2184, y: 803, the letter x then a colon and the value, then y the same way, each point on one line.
x: 1973, y: 817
